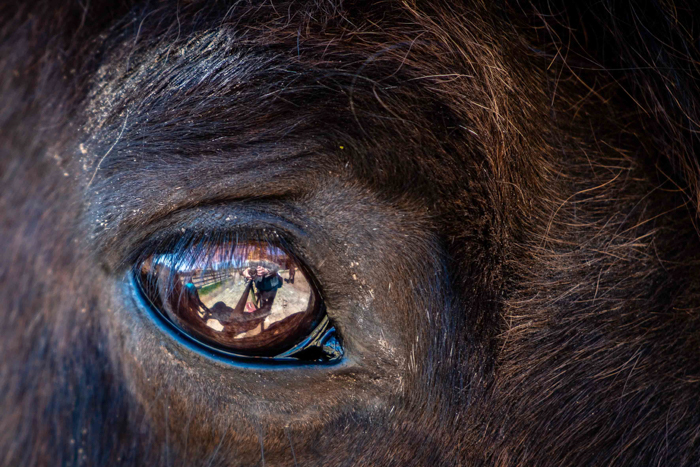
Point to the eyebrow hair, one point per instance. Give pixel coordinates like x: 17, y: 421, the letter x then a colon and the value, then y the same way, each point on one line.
x: 207, y: 98
x: 206, y: 127
x: 221, y: 122
x: 173, y: 129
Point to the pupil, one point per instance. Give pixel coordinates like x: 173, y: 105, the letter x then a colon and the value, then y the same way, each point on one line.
x: 251, y: 298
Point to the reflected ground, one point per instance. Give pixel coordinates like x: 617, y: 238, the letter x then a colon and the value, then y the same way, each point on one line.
x: 291, y: 298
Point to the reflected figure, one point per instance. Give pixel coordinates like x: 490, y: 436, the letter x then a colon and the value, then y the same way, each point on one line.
x: 265, y: 278
x: 291, y: 270
x: 191, y: 297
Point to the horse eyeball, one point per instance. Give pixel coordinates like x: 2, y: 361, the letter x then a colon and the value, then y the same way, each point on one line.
x: 250, y: 300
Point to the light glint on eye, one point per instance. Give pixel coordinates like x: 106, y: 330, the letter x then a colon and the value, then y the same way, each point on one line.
x: 249, y: 299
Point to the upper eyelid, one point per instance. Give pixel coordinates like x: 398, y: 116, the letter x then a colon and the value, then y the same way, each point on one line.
x: 203, y: 221
x: 111, y: 214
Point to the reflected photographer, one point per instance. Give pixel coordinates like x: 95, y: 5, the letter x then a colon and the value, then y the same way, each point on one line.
x: 265, y: 278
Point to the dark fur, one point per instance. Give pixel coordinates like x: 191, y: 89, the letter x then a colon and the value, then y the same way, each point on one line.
x: 499, y: 201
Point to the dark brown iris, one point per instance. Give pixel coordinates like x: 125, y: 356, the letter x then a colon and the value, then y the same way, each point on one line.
x: 252, y: 299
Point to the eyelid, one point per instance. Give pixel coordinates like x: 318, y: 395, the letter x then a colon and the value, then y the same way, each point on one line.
x: 209, y: 221
x: 153, y: 202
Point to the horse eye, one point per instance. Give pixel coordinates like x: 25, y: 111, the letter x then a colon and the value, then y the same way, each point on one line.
x: 248, y: 300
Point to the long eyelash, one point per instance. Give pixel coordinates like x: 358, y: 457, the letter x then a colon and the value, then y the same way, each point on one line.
x: 205, y: 250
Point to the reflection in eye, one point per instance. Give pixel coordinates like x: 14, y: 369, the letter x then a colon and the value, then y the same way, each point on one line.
x: 249, y: 299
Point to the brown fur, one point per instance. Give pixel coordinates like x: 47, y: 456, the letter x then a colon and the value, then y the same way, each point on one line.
x: 498, y: 200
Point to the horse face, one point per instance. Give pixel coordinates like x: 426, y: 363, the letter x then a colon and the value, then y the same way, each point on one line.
x: 345, y: 234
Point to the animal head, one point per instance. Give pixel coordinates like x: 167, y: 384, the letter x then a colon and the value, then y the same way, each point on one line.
x: 483, y: 212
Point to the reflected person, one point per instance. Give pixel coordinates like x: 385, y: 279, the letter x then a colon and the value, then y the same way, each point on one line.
x: 266, y: 280
x: 291, y: 270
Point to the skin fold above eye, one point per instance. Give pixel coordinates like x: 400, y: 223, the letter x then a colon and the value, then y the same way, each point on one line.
x: 251, y: 299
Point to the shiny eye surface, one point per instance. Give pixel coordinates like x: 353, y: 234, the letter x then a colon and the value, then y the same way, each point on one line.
x: 245, y: 299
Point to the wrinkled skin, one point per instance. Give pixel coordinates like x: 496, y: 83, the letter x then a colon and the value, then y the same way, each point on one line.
x: 499, y: 202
